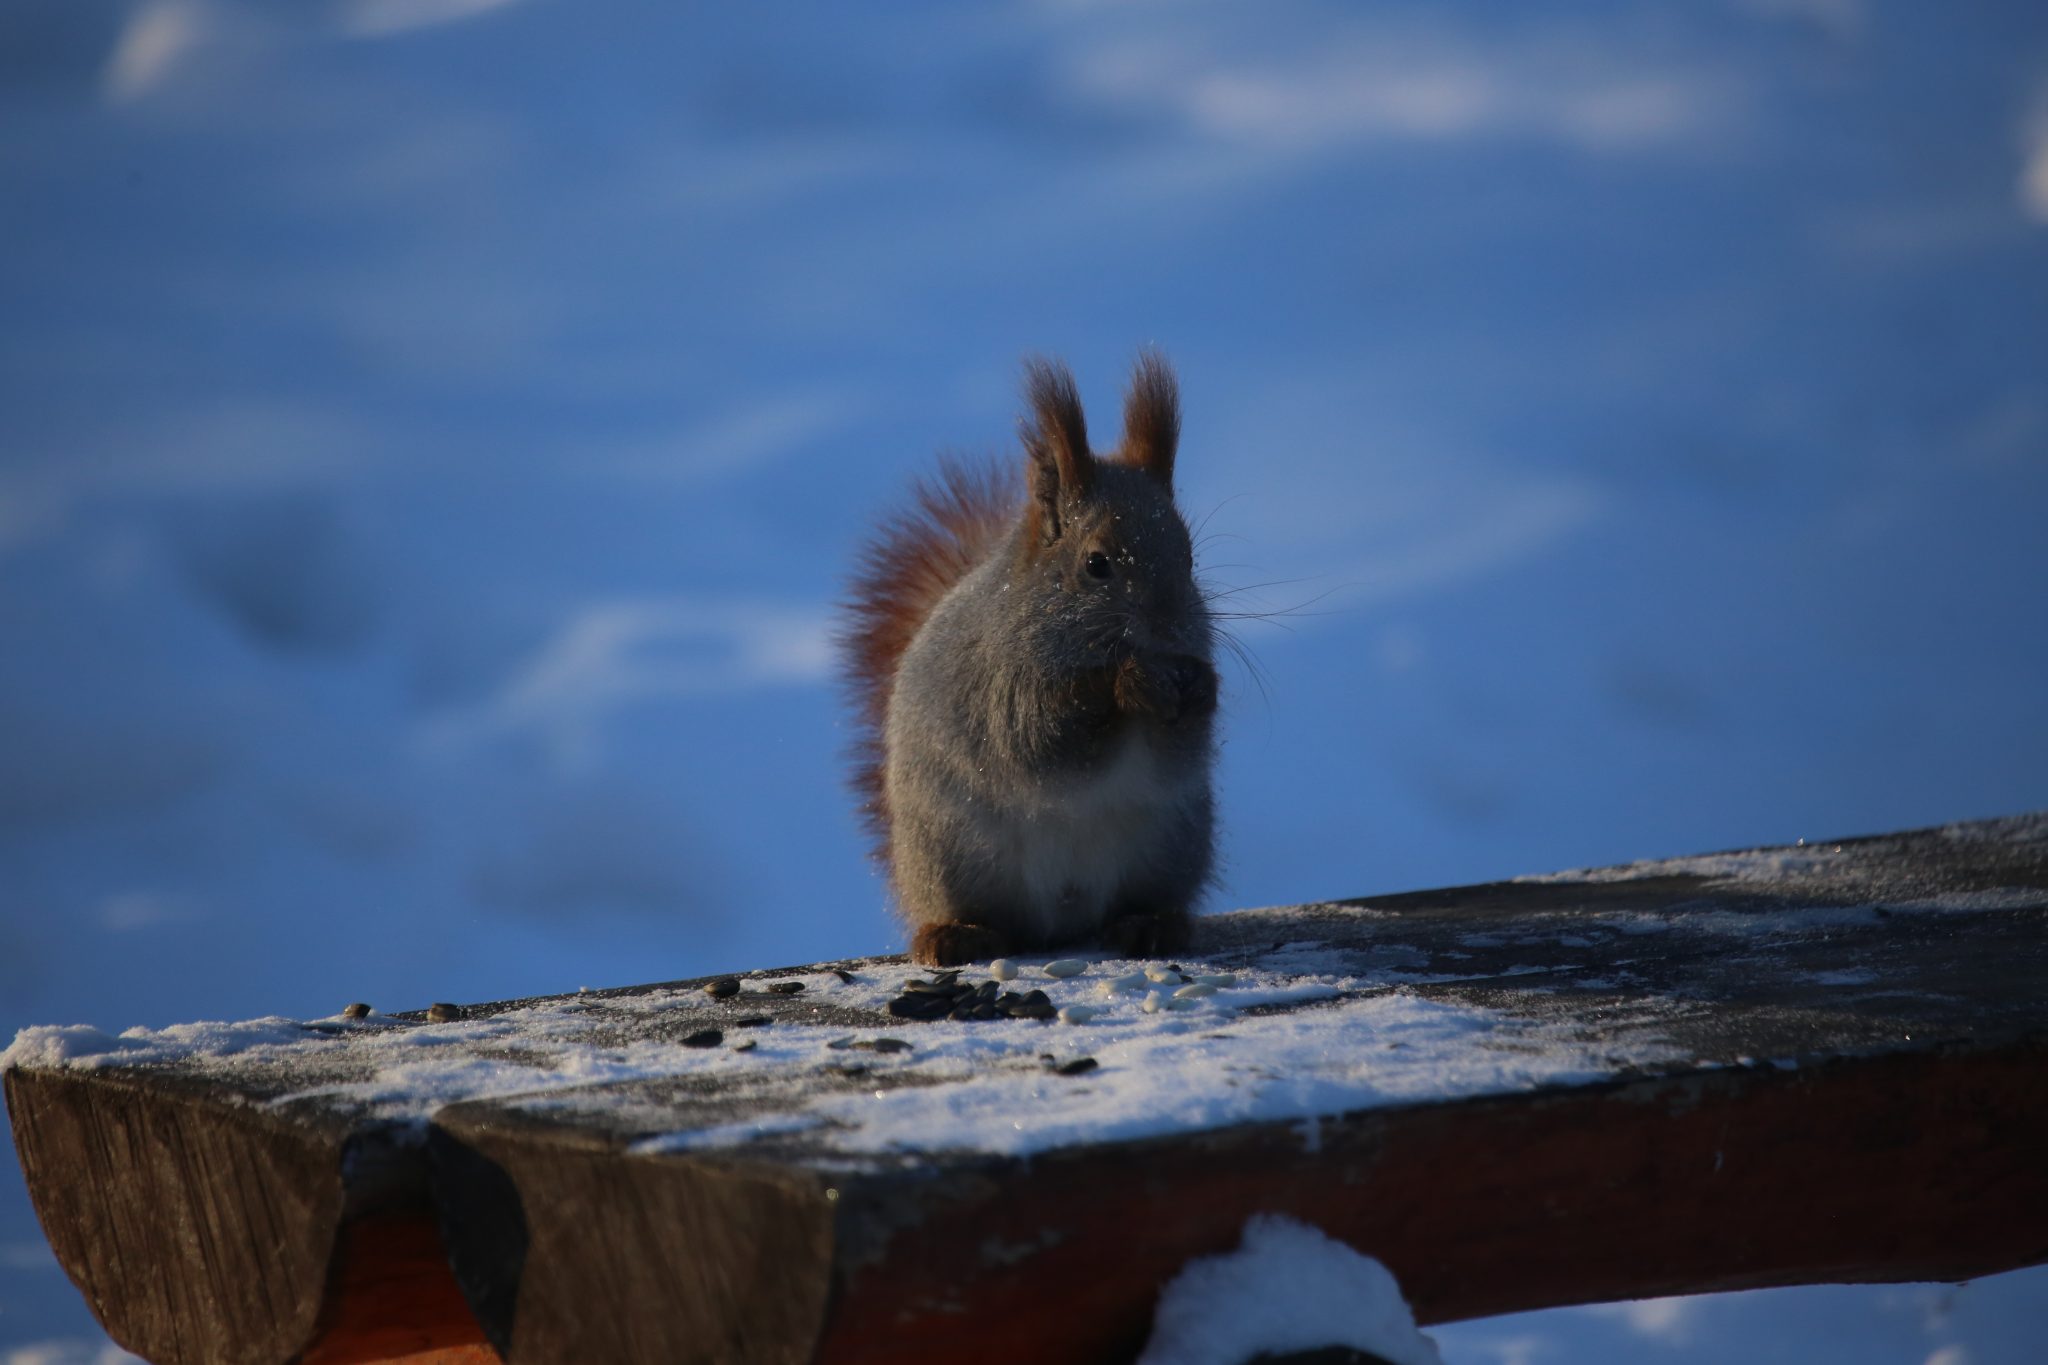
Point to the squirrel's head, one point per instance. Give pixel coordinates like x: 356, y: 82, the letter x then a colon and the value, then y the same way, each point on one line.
x: 1104, y: 531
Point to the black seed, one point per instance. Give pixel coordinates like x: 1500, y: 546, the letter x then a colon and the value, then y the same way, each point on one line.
x: 747, y: 1046
x: 843, y: 975
x: 754, y: 1021
x: 784, y: 987
x: 1076, y: 1067
x: 983, y: 1012
x: 356, y: 1011
x: 724, y: 988
x: 944, y: 988
x: 890, y: 1045
x: 441, y: 1012
x: 1009, y: 998
x: 841, y: 1044
x: 962, y: 1014
x: 920, y: 1006
x: 1037, y: 998
x: 986, y: 990
x: 1035, y: 1009
x: 704, y: 1037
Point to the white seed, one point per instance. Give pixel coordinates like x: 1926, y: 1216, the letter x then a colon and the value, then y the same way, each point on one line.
x: 1077, y: 1014
x: 1156, y: 972
x: 1154, y: 1002
x: 1118, y: 985
x: 1002, y: 969
x: 1065, y: 966
x: 1194, y: 990
x: 1217, y: 979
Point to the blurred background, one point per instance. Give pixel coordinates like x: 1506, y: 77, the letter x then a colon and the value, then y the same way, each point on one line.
x: 433, y: 434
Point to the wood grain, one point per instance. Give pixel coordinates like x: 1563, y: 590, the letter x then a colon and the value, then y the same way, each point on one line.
x: 199, y: 1231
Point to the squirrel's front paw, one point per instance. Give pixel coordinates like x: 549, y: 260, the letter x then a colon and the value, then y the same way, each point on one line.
x: 1194, y: 686
x: 1142, y: 690
x: 1167, y: 688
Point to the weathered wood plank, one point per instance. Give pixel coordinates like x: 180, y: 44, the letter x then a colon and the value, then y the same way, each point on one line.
x: 554, y: 1251
x: 197, y: 1229
x: 1803, y: 1064
x: 1900, y: 1167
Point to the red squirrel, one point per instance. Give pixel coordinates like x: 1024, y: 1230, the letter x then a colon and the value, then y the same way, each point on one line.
x: 1032, y: 668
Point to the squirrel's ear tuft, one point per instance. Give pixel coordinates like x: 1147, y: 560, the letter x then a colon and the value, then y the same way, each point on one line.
x: 1055, y: 440
x: 1152, y: 417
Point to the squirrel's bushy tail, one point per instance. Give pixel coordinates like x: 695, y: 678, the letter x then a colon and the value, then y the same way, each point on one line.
x: 914, y: 559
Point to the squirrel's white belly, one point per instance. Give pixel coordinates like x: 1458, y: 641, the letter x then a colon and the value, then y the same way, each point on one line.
x: 1075, y: 843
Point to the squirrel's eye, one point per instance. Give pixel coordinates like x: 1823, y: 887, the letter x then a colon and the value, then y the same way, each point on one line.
x: 1098, y: 565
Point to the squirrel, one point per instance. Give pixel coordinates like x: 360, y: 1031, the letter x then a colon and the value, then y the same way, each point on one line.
x: 1032, y: 669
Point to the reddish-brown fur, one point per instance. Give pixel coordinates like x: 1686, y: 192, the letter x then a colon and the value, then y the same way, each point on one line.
x: 954, y: 523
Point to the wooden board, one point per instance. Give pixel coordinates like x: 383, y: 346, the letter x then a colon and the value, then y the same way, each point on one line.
x: 1812, y: 1064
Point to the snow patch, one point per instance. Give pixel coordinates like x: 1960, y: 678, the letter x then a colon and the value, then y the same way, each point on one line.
x: 50, y: 1045
x: 1288, y: 1287
x: 75, y: 1351
x: 1666, y: 1320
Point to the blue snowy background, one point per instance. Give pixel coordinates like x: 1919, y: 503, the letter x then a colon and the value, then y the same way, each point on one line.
x: 432, y: 434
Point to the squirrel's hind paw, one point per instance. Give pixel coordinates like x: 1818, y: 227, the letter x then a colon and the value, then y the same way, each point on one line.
x: 949, y: 945
x: 1148, y: 933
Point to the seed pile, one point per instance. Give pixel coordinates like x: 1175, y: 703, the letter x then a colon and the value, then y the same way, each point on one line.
x: 944, y: 995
